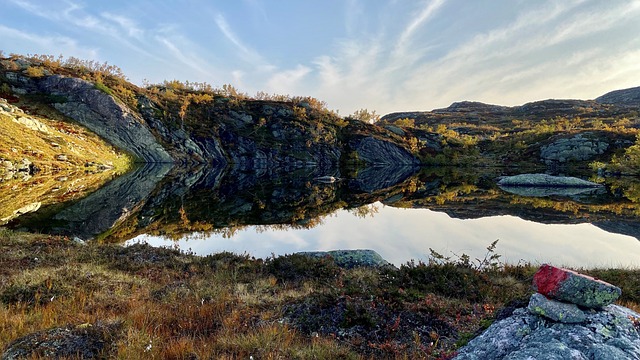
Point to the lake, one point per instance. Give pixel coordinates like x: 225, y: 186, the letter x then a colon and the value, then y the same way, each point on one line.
x: 399, y: 212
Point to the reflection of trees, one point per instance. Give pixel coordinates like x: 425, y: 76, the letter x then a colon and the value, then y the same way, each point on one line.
x: 364, y: 211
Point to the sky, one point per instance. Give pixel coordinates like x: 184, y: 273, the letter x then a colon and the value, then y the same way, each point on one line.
x: 382, y: 55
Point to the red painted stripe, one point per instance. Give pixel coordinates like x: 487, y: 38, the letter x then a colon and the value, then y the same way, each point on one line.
x: 548, y: 279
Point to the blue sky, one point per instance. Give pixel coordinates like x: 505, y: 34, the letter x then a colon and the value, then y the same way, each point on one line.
x: 383, y: 55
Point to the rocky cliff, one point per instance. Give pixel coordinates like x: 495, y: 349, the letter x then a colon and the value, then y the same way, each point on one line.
x: 179, y: 124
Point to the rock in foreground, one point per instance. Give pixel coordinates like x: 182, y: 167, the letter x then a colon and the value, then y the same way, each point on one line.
x: 351, y: 258
x: 560, y: 329
x: 569, y: 286
x: 608, y: 334
x: 84, y: 341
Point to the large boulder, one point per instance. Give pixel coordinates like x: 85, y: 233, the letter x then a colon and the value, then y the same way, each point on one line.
x: 558, y: 328
x: 350, y: 258
x: 544, y: 180
x: 569, y: 286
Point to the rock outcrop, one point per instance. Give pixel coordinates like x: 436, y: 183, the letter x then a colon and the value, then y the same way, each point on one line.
x: 349, y: 259
x: 570, y: 318
x: 544, y: 180
x: 580, y: 147
x: 105, y: 116
x: 375, y: 151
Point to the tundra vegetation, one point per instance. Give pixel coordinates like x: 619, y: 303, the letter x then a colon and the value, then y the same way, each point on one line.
x: 160, y: 303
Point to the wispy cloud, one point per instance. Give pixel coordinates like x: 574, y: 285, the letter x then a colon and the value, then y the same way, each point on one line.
x: 41, y: 44
x: 129, y: 26
x: 183, y: 56
x: 287, y: 81
x: 428, y: 11
x: 248, y: 54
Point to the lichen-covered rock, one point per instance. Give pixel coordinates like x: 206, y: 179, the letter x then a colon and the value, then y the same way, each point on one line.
x: 555, y: 310
x: 569, y: 286
x: 607, y: 334
x: 351, y: 258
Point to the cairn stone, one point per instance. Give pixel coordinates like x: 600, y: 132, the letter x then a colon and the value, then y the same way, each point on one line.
x: 555, y: 310
x: 569, y: 286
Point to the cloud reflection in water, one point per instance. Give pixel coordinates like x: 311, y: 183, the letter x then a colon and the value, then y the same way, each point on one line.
x: 403, y: 234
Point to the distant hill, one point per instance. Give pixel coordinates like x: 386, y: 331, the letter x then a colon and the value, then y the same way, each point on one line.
x: 613, y: 104
x: 627, y: 97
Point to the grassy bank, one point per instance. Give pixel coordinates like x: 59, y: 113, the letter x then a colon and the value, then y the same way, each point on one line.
x: 141, y: 302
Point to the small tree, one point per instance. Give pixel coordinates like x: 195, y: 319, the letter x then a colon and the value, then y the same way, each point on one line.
x: 366, y: 116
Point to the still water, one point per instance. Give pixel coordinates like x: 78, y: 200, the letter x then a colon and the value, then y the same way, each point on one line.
x: 400, y: 235
x: 401, y: 213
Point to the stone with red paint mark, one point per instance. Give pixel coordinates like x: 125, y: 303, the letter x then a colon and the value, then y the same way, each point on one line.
x: 572, y: 287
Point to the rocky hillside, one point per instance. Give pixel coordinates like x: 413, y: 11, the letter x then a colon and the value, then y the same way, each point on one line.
x: 613, y: 104
x: 551, y: 134
x: 626, y: 97
x: 194, y: 123
x: 43, y: 161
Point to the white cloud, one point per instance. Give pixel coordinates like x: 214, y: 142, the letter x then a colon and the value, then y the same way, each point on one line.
x: 183, y: 55
x: 247, y: 54
x: 128, y: 25
x: 287, y: 81
x: 36, y: 43
x: 427, y: 12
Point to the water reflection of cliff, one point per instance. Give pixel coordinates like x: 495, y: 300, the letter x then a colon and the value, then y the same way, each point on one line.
x: 173, y: 202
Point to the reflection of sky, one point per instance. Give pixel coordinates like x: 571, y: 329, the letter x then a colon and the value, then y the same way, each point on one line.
x: 403, y: 234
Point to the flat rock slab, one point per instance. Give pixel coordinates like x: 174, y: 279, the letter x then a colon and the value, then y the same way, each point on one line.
x: 569, y: 286
x: 544, y: 180
x: 555, y: 310
x: 351, y: 258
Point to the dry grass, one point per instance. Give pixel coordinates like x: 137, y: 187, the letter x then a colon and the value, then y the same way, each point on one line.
x: 70, y: 162
x: 177, y: 306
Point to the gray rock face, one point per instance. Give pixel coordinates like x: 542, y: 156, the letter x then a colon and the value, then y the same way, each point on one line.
x: 186, y: 149
x: 580, y: 147
x: 607, y: 334
x: 105, y: 116
x: 351, y: 258
x: 374, y: 151
x: 555, y: 310
x: 544, y: 180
